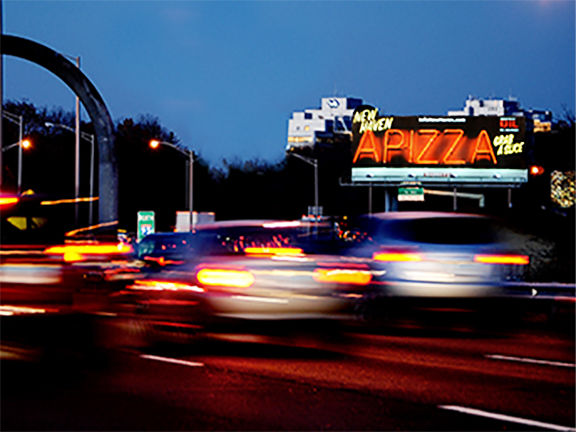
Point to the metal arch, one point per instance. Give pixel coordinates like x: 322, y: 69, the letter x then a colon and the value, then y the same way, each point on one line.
x: 95, y: 106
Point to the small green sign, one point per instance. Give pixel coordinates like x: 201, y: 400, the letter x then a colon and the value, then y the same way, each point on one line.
x: 413, y: 193
x: 146, y: 224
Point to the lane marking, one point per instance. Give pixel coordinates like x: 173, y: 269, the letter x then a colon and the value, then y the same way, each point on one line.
x: 172, y: 360
x: 530, y: 360
x: 476, y: 412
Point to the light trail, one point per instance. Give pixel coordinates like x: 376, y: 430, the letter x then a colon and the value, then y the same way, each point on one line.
x: 507, y: 418
x: 172, y: 360
x: 530, y: 360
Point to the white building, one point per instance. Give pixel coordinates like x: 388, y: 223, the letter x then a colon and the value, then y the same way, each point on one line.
x: 489, y: 107
x: 334, y: 117
x: 542, y: 120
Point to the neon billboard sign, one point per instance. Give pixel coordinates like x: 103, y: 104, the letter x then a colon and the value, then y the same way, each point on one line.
x: 435, y: 149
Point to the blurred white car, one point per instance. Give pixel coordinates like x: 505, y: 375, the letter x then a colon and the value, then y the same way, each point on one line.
x: 434, y: 254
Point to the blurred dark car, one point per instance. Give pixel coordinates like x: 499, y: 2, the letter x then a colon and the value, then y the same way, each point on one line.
x: 53, y: 283
x: 46, y: 268
x: 253, y: 277
x: 159, y: 250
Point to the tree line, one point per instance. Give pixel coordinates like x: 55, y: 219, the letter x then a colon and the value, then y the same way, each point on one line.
x: 284, y: 189
x: 156, y: 179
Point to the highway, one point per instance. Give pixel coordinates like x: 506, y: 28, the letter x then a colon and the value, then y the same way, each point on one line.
x: 401, y: 379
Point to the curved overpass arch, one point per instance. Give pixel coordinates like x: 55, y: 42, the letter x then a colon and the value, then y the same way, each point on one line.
x: 94, y: 105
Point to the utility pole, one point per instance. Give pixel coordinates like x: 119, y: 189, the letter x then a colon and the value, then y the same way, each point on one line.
x: 1, y: 95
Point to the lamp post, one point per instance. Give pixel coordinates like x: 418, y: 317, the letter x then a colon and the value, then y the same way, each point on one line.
x: 19, y: 120
x: 90, y: 138
x: 23, y: 145
x: 76, y: 144
x: 314, y: 163
x: 154, y: 144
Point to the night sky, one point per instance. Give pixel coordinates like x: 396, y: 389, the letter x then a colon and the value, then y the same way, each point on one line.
x: 225, y: 76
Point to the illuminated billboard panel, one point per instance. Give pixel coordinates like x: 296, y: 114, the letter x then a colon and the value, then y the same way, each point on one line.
x: 435, y: 149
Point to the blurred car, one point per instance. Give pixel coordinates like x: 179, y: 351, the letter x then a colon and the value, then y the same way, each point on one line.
x: 44, y: 268
x: 234, y: 237
x: 434, y: 254
x: 254, y: 277
x: 436, y: 261
x: 53, y: 285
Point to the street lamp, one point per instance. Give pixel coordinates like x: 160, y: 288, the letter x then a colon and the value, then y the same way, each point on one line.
x: 314, y: 163
x: 90, y: 138
x: 154, y: 144
x: 26, y: 144
x: 19, y: 120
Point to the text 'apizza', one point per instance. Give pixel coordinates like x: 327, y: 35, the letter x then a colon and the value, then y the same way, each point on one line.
x: 426, y: 147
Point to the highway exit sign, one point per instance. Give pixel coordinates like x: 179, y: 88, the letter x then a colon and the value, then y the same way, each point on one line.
x: 412, y: 193
x: 146, y: 224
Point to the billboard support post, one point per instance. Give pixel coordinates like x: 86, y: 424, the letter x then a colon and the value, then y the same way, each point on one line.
x: 370, y: 198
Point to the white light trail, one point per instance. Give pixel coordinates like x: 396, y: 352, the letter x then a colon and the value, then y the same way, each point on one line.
x: 502, y: 417
x: 530, y: 360
x: 172, y: 360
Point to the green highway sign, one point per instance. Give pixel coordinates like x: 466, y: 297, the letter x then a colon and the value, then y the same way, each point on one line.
x: 146, y: 224
x: 411, y: 193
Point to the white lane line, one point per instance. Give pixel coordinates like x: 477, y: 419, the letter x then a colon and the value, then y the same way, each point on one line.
x: 530, y: 360
x: 172, y: 360
x: 527, y: 422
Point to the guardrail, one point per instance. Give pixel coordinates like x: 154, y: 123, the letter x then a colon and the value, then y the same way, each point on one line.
x: 542, y: 290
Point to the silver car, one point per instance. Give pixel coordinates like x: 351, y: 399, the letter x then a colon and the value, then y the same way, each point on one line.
x: 434, y: 254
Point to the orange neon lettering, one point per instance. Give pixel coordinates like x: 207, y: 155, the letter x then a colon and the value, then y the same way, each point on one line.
x: 368, y: 148
x: 434, y: 134
x: 483, y: 148
x: 447, y: 159
x: 389, y: 145
x: 411, y: 147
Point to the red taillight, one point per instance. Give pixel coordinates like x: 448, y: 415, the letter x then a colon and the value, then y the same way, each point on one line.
x: 342, y: 276
x: 6, y: 201
x: 502, y: 259
x: 77, y: 252
x: 396, y: 256
x: 163, y: 285
x: 267, y: 251
x: 223, y: 277
x: 161, y: 261
x: 8, y: 310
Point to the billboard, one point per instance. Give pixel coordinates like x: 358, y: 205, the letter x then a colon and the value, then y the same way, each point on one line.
x: 437, y: 149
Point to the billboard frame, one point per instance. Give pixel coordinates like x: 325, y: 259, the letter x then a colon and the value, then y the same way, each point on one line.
x: 439, y: 151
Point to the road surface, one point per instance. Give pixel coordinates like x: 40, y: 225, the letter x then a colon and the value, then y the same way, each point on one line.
x: 398, y: 380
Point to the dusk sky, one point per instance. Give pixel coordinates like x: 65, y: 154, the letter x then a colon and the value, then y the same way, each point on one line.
x: 225, y: 76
